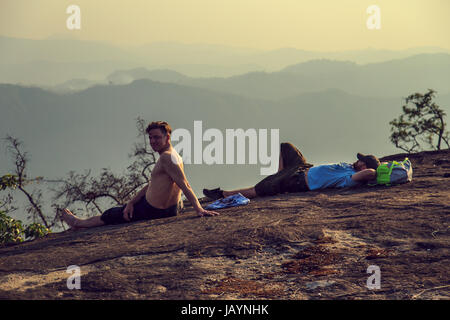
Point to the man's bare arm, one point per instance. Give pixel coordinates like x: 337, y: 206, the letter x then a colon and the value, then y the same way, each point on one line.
x: 364, y: 175
x: 177, y: 174
x: 128, y: 211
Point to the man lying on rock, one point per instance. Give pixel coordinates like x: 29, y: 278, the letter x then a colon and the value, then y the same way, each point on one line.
x: 159, y: 198
x: 296, y: 175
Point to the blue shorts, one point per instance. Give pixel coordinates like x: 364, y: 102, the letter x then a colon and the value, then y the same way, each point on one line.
x: 142, y: 211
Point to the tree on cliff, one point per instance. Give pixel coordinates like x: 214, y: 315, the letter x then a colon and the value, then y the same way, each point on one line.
x: 422, y: 121
x: 20, y: 180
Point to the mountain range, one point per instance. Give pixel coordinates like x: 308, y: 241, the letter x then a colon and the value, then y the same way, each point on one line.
x: 392, y: 78
x: 53, y: 61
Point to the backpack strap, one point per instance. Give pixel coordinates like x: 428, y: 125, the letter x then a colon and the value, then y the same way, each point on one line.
x: 394, y: 163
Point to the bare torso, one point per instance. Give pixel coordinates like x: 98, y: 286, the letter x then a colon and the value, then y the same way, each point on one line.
x: 162, y: 191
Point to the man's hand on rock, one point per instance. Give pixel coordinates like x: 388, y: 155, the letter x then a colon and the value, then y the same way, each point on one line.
x: 204, y: 212
x: 128, y: 211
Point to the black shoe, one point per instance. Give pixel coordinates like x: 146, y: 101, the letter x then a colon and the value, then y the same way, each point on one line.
x: 214, y: 194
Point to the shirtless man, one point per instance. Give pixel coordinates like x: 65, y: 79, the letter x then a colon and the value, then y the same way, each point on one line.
x: 159, y: 198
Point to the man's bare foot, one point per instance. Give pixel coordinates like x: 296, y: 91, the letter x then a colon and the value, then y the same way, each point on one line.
x: 70, y: 219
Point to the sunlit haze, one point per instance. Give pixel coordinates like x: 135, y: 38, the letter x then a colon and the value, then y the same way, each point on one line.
x: 326, y: 25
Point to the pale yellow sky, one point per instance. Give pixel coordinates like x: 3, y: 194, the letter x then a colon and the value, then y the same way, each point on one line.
x: 325, y: 25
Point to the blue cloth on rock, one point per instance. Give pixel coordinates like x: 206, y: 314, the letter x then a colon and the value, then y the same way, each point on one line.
x: 231, y: 201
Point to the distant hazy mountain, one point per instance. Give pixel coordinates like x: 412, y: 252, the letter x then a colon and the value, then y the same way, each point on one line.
x: 53, y: 61
x: 394, y: 78
x: 73, y: 85
x: 127, y: 76
x: 17, y: 51
x: 46, y: 73
x: 391, y: 78
x: 163, y: 53
x: 320, y: 67
x: 56, y: 60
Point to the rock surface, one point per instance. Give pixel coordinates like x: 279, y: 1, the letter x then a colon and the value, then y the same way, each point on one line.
x: 314, y: 245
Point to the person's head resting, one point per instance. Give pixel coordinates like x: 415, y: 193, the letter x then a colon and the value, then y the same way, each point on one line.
x: 159, y: 134
x: 366, y: 162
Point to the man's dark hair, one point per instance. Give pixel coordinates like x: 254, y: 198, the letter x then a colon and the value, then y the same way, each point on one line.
x: 371, y: 161
x: 161, y: 125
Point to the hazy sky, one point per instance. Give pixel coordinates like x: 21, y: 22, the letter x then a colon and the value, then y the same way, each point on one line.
x: 325, y: 25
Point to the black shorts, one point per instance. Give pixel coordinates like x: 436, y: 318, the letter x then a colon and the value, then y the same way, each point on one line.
x: 291, y: 179
x: 142, y: 211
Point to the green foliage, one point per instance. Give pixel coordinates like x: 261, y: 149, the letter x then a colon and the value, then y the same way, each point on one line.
x: 36, y: 230
x: 421, y: 122
x: 11, y: 230
x: 8, y: 181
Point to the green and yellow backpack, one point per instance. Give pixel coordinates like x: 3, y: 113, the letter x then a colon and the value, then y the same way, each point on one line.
x: 393, y: 172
